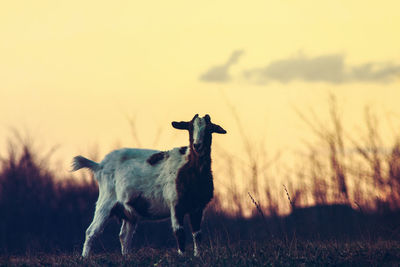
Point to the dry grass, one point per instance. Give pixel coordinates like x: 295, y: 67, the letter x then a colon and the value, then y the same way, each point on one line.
x: 52, y: 216
x: 337, y: 165
x: 245, y: 253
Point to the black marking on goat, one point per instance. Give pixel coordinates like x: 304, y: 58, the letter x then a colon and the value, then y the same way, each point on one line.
x: 180, y: 239
x: 124, y: 158
x: 119, y: 211
x: 195, y: 220
x: 141, y: 205
x: 182, y: 150
x: 157, y: 157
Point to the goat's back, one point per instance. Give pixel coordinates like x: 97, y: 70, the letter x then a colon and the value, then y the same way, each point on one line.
x: 148, y: 173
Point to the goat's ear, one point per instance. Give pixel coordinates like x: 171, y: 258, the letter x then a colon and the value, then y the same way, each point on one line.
x: 181, y: 125
x: 217, y: 129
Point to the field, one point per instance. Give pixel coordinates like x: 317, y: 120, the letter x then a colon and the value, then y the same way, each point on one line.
x: 243, y: 253
x: 344, y: 209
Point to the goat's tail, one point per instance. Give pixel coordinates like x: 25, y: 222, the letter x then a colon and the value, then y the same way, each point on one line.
x: 80, y: 162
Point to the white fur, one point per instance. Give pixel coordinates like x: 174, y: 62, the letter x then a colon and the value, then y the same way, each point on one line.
x: 124, y: 174
x: 199, y: 125
x: 196, y: 246
x: 156, y: 183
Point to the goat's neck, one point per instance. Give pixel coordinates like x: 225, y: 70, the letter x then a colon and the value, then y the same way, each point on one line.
x: 201, y: 162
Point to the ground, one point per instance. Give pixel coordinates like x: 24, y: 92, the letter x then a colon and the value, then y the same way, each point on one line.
x: 290, y: 252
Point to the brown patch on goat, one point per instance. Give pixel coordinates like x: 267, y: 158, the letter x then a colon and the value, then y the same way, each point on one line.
x: 141, y: 205
x: 157, y: 157
x: 194, y: 182
x: 195, y: 187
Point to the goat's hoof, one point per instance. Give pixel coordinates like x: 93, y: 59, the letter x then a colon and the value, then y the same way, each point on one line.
x: 125, y: 252
x: 180, y: 253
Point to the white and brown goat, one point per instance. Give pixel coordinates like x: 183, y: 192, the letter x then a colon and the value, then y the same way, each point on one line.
x: 142, y: 184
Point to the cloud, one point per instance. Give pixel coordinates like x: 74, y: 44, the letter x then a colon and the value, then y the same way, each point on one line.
x: 220, y: 73
x: 330, y: 68
x: 326, y: 68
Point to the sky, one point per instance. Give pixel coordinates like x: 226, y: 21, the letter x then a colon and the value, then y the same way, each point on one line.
x: 79, y: 74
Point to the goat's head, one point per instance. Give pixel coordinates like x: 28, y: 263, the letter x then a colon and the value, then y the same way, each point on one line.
x: 200, y: 130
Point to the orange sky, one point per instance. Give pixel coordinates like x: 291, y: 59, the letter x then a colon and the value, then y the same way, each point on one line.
x: 71, y: 72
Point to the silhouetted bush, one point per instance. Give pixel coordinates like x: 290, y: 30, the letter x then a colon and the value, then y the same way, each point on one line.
x: 38, y: 213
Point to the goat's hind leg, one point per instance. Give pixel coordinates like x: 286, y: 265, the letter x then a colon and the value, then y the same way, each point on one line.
x: 128, y: 229
x: 101, y: 216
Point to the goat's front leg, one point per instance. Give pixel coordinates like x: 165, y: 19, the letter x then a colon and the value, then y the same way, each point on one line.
x: 195, y: 221
x: 177, y: 216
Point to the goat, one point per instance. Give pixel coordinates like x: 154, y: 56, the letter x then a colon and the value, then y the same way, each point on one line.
x: 144, y: 184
